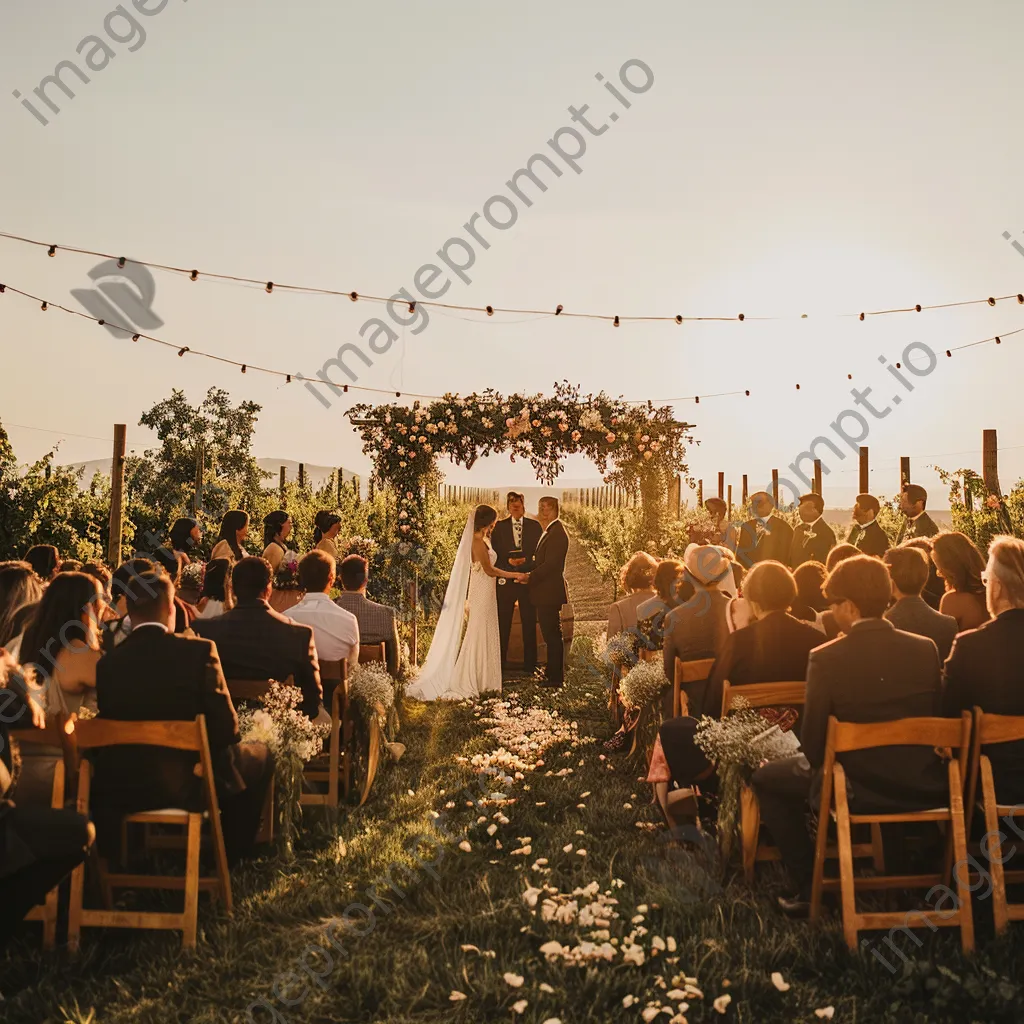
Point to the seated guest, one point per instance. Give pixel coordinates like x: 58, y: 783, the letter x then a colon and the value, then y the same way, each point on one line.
x: 277, y: 528
x: 813, y: 539
x: 100, y: 572
x: 376, y: 621
x: 326, y: 527
x: 827, y: 621
x: 71, y: 565
x: 158, y: 676
x: 185, y: 537
x: 125, y: 582
x: 698, y: 628
x: 908, y: 568
x: 215, y: 596
x: 875, y: 673
x: 255, y: 642
x: 960, y: 565
x: 39, y: 846
x: 234, y: 528
x: 335, y: 630
x: 810, y: 600
x: 668, y: 584
x: 986, y: 665
x: 866, y: 535
x: 45, y: 561
x: 184, y: 613
x: 913, y: 499
x: 935, y: 588
x: 19, y: 586
x: 637, y: 582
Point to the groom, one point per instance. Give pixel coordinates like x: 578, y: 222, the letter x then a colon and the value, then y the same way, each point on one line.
x: 515, y: 541
x: 546, y: 585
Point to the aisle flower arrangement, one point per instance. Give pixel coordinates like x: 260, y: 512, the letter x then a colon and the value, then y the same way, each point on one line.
x: 373, y: 690
x: 640, y: 692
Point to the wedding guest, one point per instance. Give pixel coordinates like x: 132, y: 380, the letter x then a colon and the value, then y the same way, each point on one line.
x: 234, y: 528
x: 766, y: 537
x: 813, y: 538
x: 670, y: 590
x: 100, y: 572
x: 809, y: 602
x: 935, y: 588
x: 126, y: 576
x: 158, y: 676
x: 184, y: 613
x: 377, y: 622
x: 255, y: 642
x: 637, y: 583
x: 45, y: 561
x: 913, y: 499
x: 277, y: 528
x: 875, y: 673
x: 717, y: 509
x: 839, y: 554
x: 908, y: 568
x: 19, y: 586
x: 185, y: 537
x: 60, y: 651
x: 960, y: 565
x: 986, y: 665
x: 70, y: 565
x: 39, y: 846
x: 335, y: 630
x: 698, y: 628
x: 866, y: 535
x: 215, y: 596
x: 325, y: 528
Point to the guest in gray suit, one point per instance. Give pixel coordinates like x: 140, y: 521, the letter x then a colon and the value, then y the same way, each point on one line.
x: 908, y: 568
x: 376, y: 621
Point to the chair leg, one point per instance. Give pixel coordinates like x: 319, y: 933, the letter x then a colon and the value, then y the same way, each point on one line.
x: 847, y: 884
x: 995, y: 858
x: 959, y: 833
x: 877, y: 849
x: 191, y: 913
x: 750, y: 829
x: 50, y: 918
x: 75, y: 908
x: 821, y: 846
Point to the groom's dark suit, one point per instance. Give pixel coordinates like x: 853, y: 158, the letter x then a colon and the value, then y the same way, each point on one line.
x: 548, y: 593
x: 503, y: 542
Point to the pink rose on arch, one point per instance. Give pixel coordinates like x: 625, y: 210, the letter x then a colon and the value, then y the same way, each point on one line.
x: 609, y: 437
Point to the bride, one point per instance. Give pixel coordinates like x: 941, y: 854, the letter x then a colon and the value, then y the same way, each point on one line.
x: 454, y: 672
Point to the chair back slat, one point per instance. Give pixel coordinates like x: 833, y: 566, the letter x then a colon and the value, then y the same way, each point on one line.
x: 999, y: 728
x: 248, y: 689
x: 904, y: 732
x: 371, y: 652
x: 765, y: 695
x: 694, y: 671
x: 52, y: 735
x: 332, y: 671
x: 105, y: 732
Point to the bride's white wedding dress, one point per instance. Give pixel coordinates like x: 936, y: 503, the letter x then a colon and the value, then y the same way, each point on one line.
x: 453, y: 671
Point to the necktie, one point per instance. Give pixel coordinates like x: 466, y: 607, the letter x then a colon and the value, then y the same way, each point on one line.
x: 517, y: 532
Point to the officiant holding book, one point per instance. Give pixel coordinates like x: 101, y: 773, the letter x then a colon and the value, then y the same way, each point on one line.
x: 515, y: 540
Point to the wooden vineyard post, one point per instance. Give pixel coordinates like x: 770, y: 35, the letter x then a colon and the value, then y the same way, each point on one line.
x: 675, y: 496
x: 728, y: 512
x: 745, y: 495
x: 775, y: 487
x: 302, y: 476
x: 339, y: 486
x: 700, y: 493
x: 990, y: 462
x: 968, y: 497
x: 817, y: 476
x: 904, y: 471
x: 865, y: 477
x: 116, y: 497
x: 721, y: 485
x: 197, y: 498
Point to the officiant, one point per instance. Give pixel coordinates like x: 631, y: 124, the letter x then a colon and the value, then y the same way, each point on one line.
x: 515, y: 539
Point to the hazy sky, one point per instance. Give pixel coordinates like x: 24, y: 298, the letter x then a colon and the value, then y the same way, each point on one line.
x: 789, y: 158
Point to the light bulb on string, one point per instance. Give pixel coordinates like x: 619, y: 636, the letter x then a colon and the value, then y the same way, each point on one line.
x: 615, y: 322
x: 270, y: 287
x: 243, y: 367
x: 182, y: 351
x: 558, y: 309
x: 679, y: 318
x: 354, y: 296
x: 121, y: 262
x: 52, y: 251
x: 45, y: 306
x: 194, y: 275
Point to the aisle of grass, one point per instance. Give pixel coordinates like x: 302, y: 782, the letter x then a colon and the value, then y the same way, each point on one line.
x: 345, y: 935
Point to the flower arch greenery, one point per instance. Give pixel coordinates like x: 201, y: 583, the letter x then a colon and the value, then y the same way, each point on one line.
x: 638, y: 447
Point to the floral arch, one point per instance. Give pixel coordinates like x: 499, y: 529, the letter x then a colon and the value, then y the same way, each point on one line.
x: 638, y: 447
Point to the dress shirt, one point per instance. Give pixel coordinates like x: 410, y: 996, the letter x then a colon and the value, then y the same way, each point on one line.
x: 143, y: 625
x: 335, y: 630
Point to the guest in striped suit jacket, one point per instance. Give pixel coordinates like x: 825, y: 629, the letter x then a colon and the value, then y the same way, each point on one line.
x: 376, y: 621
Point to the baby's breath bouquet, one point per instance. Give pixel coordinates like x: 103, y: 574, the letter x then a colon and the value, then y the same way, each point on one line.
x: 373, y: 690
x: 640, y: 692
x: 738, y: 745
x: 620, y: 650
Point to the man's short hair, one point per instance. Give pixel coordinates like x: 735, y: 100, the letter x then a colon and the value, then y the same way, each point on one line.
x: 716, y: 506
x: 771, y: 586
x: 839, y: 554
x: 916, y: 493
x: 354, y: 572
x: 551, y: 503
x: 1007, y: 554
x: 151, y: 598
x: 315, y: 572
x: 908, y: 568
x: 514, y: 496
x: 815, y: 499
x: 863, y: 580
x: 250, y: 577
x: 125, y: 580
x: 869, y: 501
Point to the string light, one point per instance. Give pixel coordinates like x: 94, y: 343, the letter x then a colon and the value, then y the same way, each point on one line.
x: 182, y: 351
x: 194, y: 275
x: 243, y: 367
x: 121, y: 262
x: 558, y: 309
x: 45, y: 306
x: 52, y: 251
x: 270, y: 286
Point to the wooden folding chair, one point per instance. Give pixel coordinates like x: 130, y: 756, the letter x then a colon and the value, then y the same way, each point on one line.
x: 696, y: 671
x: 844, y: 737
x: 995, y: 729
x: 250, y: 689
x: 59, y: 732
x: 333, y: 766
x: 188, y: 736
x: 371, y: 652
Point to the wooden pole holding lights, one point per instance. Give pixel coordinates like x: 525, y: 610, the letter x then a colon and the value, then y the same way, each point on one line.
x: 775, y: 487
x: 817, y: 476
x: 721, y: 485
x: 283, y: 479
x: 117, y: 496
x: 865, y: 477
x: 904, y: 471
x: 745, y: 495
x: 728, y: 512
x: 990, y: 462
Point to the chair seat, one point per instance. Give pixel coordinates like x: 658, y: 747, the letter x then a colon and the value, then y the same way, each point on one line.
x: 933, y: 814
x: 167, y: 816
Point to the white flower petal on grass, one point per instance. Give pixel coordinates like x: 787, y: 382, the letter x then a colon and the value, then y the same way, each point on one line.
x: 583, y: 796
x: 779, y: 982
x: 825, y: 1013
x: 671, y: 943
x: 545, y: 987
x: 628, y: 1001
x: 513, y: 980
x: 581, y: 853
x: 650, y: 1012
x: 553, y: 948
x: 456, y: 996
x: 470, y: 949
x: 627, y: 806
x: 552, y: 1020
x: 464, y: 846
x: 519, y: 1006
x: 567, y: 848
x: 722, y: 1003
x: 491, y: 829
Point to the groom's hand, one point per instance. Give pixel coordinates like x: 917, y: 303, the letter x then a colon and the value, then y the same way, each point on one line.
x: 517, y: 561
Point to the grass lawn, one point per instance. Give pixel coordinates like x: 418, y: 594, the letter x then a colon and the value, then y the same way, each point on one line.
x: 355, y: 929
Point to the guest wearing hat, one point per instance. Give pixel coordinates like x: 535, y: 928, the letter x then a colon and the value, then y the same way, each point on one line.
x: 866, y: 535
x: 698, y: 628
x: 813, y: 539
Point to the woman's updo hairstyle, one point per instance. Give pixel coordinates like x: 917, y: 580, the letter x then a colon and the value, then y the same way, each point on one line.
x: 483, y: 517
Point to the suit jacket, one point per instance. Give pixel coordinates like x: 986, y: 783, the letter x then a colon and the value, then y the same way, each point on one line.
x: 877, y: 673
x: 923, y: 526
x: 870, y: 539
x: 376, y: 624
x: 772, y: 649
x: 547, y: 578
x: 255, y: 642
x: 158, y: 676
x: 623, y: 614
x: 696, y: 629
x: 811, y: 543
x: 986, y: 667
x: 503, y: 541
x: 915, y: 615
x: 772, y: 542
